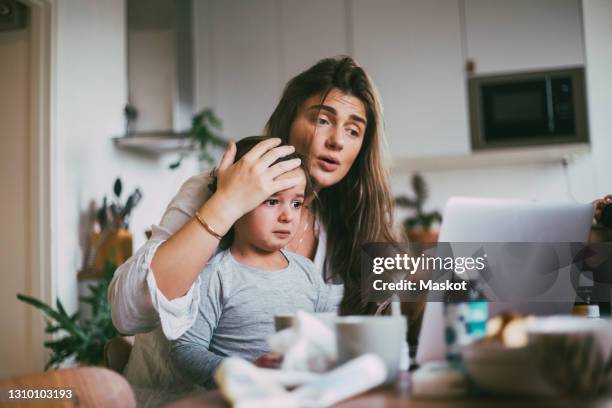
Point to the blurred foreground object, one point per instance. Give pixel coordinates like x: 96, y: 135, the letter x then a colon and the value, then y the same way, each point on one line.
x: 87, y: 386
x: 564, y: 356
x: 243, y: 384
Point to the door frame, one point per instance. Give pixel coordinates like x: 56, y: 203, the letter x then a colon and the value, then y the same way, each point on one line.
x: 40, y: 281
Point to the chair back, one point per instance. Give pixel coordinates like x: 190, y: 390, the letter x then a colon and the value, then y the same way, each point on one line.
x: 117, y: 353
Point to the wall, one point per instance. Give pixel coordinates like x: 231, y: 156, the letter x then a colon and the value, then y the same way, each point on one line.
x: 152, y: 67
x: 509, y: 36
x: 414, y: 52
x: 587, y: 176
x: 90, y: 93
x: 245, y: 51
x: 598, y: 52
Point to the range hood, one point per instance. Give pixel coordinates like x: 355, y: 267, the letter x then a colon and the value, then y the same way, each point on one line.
x: 160, y: 67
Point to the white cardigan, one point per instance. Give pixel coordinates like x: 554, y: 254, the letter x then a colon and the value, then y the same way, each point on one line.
x: 137, y: 305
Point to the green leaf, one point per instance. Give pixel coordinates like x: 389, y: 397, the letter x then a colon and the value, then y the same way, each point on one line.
x: 404, y: 201
x: 86, y: 299
x: 117, y: 187
x: 420, y: 188
x: 62, y: 318
x: 39, y: 305
x: 410, y: 223
x: 176, y: 164
x: 60, y: 308
x: 50, y: 329
x: 83, y: 340
x: 214, y: 121
x: 203, y: 132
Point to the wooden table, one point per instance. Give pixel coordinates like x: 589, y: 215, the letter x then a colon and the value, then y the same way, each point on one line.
x: 399, y: 396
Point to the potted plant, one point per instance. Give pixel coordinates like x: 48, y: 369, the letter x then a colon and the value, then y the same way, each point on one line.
x: 204, y: 134
x: 418, y: 227
x: 81, y: 339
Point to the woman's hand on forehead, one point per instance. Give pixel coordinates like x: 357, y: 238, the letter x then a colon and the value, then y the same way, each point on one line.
x: 248, y: 182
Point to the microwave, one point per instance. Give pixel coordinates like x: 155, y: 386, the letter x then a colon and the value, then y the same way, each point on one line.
x: 527, y: 109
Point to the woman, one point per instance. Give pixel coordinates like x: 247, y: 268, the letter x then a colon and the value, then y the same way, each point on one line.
x: 331, y: 114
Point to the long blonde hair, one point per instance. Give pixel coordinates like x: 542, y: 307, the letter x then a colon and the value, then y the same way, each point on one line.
x: 359, y: 208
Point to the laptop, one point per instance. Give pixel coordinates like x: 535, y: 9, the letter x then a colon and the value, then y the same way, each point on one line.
x: 494, y: 220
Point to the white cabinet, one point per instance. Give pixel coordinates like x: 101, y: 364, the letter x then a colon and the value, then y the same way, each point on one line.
x: 240, y: 69
x: 522, y: 35
x: 415, y: 50
x: 246, y: 51
x: 309, y: 31
x: 412, y: 49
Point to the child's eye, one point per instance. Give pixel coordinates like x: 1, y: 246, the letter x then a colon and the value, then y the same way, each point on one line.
x: 271, y: 201
x: 296, y: 204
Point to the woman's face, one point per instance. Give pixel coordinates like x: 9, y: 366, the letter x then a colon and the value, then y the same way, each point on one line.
x: 329, y: 134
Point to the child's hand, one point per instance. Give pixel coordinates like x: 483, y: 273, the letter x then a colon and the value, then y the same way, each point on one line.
x: 269, y: 360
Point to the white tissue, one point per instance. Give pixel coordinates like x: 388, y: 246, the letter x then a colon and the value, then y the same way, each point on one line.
x: 239, y: 380
x: 439, y: 379
x: 309, y: 345
x: 308, y: 348
x: 243, y: 384
x: 354, y: 377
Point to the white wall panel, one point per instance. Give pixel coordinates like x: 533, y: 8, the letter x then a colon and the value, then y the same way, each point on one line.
x: 523, y: 34
x: 245, y: 57
x: 412, y: 49
x: 310, y: 31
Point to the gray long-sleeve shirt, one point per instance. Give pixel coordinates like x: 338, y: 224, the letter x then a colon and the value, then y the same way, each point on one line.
x: 237, y: 308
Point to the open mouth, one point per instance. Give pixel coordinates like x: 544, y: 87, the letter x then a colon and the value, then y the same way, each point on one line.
x: 328, y: 163
x: 329, y: 159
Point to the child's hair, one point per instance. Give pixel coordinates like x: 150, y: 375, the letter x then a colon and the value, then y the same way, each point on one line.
x: 243, y: 146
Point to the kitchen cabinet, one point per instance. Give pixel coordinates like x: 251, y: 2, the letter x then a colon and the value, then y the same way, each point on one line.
x: 415, y: 51
x: 244, y: 67
x: 309, y: 31
x: 412, y: 50
x: 246, y: 51
x: 523, y: 35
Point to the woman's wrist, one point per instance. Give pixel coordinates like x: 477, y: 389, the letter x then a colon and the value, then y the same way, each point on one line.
x: 220, y: 213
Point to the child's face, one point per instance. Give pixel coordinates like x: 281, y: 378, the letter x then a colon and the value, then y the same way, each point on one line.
x: 272, y: 225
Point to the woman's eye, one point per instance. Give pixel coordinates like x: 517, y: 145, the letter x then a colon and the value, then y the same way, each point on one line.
x: 296, y: 204
x: 322, y: 121
x: 353, y: 132
x: 271, y: 201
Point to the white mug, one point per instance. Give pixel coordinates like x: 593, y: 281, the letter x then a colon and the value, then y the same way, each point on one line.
x: 284, y: 321
x: 381, y: 335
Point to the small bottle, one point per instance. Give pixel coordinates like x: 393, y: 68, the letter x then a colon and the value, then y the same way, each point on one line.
x: 466, y: 316
x: 584, y: 292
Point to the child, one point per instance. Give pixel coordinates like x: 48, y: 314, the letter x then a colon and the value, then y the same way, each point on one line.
x: 245, y: 285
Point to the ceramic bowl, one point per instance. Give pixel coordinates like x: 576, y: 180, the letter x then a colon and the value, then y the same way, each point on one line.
x: 575, y: 353
x: 497, y: 369
x: 564, y: 356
